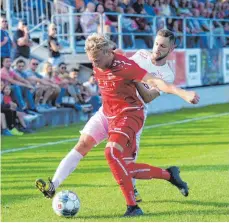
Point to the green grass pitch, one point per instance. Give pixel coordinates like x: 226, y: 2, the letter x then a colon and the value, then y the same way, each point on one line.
x: 200, y: 148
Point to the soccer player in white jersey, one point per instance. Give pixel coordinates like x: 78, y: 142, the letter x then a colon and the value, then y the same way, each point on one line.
x: 96, y: 129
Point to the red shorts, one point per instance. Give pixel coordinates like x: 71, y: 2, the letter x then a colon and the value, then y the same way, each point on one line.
x: 126, y: 125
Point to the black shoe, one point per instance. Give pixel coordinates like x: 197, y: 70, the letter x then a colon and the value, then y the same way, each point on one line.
x: 137, y: 195
x: 177, y: 181
x: 133, y: 211
x: 47, y: 189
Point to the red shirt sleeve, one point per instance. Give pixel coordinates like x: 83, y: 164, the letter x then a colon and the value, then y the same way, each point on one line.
x: 127, y: 68
x: 13, y: 74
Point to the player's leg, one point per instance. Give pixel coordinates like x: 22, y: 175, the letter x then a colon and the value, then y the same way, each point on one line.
x: 144, y: 171
x: 122, y: 138
x: 93, y: 133
x: 136, y: 193
x: 114, y: 156
x: 172, y: 174
x: 66, y: 166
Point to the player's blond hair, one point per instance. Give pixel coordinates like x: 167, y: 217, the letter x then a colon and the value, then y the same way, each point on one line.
x: 98, y: 42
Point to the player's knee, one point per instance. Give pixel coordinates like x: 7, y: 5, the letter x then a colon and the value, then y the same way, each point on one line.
x: 83, y: 146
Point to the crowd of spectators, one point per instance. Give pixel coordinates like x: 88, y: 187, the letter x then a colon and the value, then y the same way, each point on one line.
x: 26, y: 92
x: 29, y: 87
x: 198, y: 31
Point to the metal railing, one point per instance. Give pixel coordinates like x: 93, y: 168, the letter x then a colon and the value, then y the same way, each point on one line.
x: 69, y: 34
x: 38, y: 12
x: 34, y: 12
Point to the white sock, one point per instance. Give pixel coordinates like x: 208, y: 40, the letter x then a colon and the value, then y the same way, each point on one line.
x: 66, y: 167
x: 133, y: 182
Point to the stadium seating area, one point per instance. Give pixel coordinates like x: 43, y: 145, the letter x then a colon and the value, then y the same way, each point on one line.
x: 36, y: 93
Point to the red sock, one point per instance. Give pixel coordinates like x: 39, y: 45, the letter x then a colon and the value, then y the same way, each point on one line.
x: 145, y: 171
x: 120, y: 173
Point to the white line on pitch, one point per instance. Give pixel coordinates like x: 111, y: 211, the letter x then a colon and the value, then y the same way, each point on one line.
x: 146, y: 127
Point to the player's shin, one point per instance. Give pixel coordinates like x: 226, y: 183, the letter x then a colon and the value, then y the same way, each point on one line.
x: 66, y: 167
x: 145, y: 171
x: 120, y: 173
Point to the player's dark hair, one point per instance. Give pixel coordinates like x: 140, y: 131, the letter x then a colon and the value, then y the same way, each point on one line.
x: 167, y: 33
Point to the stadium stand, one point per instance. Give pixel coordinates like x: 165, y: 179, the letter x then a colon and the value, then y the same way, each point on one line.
x: 54, y: 31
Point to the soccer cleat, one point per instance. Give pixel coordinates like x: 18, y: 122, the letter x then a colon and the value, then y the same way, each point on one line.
x: 177, y: 181
x: 133, y: 211
x: 47, y: 189
x: 137, y: 195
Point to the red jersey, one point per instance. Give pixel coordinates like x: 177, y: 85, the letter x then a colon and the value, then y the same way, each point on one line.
x: 117, y: 87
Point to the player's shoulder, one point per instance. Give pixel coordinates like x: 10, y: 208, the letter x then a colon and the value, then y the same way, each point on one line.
x: 120, y: 60
x: 143, y: 53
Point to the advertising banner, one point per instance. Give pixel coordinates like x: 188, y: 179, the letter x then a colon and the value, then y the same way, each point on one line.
x: 225, y: 64
x: 193, y: 67
x: 211, y: 64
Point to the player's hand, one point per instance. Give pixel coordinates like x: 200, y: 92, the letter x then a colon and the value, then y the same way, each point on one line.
x: 191, y: 97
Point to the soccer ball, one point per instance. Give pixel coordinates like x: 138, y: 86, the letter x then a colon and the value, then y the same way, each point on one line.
x: 66, y: 203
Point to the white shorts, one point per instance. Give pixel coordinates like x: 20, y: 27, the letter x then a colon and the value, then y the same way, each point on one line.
x: 97, y: 127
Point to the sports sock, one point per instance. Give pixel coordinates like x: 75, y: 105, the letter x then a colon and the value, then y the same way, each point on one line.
x: 145, y: 171
x: 120, y: 173
x: 66, y: 167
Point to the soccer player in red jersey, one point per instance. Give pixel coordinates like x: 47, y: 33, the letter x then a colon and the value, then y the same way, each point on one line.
x: 116, y: 75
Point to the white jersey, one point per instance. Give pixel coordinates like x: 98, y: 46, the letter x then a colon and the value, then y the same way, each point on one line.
x: 164, y: 72
x: 143, y: 59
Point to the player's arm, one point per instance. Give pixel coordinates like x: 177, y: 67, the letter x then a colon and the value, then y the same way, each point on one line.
x: 189, y: 96
x: 147, y: 94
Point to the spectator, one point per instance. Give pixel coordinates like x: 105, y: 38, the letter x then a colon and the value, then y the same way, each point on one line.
x: 22, y: 41
x: 93, y: 96
x: 62, y: 68
x: 109, y: 8
x: 48, y: 75
x: 183, y: 9
x: 4, y: 129
x: 205, y: 26
x: 29, y: 95
x: 196, y: 28
x: 74, y: 74
x: 6, y: 42
x: 43, y: 87
x: 148, y: 7
x: 177, y: 29
x: 89, y: 21
x: 166, y: 8
x: 125, y: 4
x: 61, y: 83
x: 8, y: 101
x: 157, y: 7
x: 54, y: 47
x: 108, y: 26
x: 10, y: 77
x: 142, y: 27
